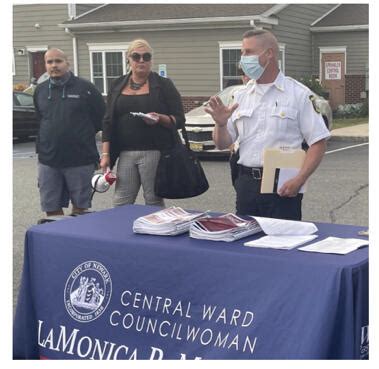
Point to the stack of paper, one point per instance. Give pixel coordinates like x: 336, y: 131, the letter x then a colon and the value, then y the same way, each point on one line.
x: 283, y: 234
x: 335, y: 245
x: 228, y: 227
x: 280, y: 242
x: 166, y: 222
x: 281, y: 227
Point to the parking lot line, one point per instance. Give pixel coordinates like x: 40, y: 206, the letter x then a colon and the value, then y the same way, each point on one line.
x: 23, y: 155
x: 346, y: 148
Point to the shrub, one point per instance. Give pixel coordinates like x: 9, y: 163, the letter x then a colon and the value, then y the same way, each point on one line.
x: 364, y: 109
x: 314, y: 84
x: 352, y: 110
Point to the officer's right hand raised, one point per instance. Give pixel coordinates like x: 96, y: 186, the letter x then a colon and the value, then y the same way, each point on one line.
x: 219, y: 112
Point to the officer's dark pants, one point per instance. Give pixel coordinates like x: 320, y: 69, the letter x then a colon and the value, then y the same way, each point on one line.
x: 234, y: 166
x: 251, y: 202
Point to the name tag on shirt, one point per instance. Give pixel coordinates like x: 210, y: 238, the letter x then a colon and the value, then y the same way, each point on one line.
x: 73, y: 96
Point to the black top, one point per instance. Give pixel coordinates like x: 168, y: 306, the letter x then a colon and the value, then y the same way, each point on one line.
x: 132, y: 132
x: 163, y: 98
x: 69, y: 115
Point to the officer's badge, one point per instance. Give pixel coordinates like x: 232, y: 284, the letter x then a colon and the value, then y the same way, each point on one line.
x: 315, y: 107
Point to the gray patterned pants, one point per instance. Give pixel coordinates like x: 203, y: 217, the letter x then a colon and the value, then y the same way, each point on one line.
x: 136, y: 168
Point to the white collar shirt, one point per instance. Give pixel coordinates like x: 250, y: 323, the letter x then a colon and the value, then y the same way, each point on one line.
x: 280, y: 114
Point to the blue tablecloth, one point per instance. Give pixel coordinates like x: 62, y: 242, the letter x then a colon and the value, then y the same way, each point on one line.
x: 93, y: 289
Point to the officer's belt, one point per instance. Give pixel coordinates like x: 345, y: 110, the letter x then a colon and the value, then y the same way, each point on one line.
x: 255, y: 172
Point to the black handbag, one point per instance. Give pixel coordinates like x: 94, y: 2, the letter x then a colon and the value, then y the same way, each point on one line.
x: 179, y: 173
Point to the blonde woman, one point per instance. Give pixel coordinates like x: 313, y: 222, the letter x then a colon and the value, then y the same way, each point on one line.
x: 136, y: 141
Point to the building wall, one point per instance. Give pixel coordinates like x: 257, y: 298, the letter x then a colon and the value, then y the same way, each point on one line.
x: 357, y: 49
x: 83, y: 8
x: 191, y: 56
x: 293, y: 31
x: 357, y: 52
x: 49, y: 34
x: 355, y: 86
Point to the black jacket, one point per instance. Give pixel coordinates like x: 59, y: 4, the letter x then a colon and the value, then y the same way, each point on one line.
x: 165, y: 99
x: 70, y: 116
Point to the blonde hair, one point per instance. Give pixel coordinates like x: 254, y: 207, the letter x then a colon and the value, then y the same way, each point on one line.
x: 136, y: 44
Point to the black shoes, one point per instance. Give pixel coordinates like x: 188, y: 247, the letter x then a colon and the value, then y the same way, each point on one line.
x: 53, y: 218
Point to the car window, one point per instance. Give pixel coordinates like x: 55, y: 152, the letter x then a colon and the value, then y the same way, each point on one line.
x: 24, y: 100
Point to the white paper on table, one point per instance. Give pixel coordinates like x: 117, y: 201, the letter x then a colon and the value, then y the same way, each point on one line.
x: 282, y: 227
x: 335, y: 245
x: 286, y: 174
x: 280, y: 242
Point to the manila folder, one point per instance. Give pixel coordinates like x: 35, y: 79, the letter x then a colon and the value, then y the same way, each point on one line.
x: 274, y: 160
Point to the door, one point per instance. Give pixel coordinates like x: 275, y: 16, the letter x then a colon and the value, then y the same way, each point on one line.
x: 333, y: 77
x: 38, y: 64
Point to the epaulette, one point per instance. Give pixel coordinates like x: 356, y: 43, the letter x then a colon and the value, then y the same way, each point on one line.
x: 239, y: 91
x: 298, y: 83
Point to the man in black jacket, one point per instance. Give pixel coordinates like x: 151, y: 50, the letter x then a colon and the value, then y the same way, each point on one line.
x: 70, y: 110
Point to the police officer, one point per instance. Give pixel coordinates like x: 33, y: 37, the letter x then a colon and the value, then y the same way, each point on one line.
x: 272, y: 112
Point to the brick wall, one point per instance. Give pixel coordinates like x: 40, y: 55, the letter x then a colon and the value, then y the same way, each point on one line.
x: 354, y: 85
x: 191, y: 102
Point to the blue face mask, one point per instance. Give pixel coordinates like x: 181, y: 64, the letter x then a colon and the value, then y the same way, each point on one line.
x: 251, y: 67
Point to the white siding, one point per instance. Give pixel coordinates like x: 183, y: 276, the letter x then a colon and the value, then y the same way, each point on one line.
x: 294, y: 31
x: 191, y: 56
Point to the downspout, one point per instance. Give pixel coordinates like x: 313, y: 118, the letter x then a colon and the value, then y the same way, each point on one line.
x: 75, y: 54
x: 74, y: 51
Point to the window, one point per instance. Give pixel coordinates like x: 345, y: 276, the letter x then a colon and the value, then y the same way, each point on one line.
x: 97, y: 71
x: 108, y: 62
x: 230, y: 65
x: 106, y: 67
x: 113, y: 66
x: 230, y: 55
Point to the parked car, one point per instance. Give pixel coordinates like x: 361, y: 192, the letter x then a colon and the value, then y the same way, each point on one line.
x: 199, y: 124
x: 25, y: 123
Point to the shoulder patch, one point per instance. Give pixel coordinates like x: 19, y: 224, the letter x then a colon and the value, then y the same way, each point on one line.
x: 315, y: 107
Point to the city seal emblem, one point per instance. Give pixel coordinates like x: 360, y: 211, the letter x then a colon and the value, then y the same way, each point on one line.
x: 87, y: 291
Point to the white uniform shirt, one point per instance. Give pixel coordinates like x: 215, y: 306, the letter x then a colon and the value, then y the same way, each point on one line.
x: 280, y: 114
